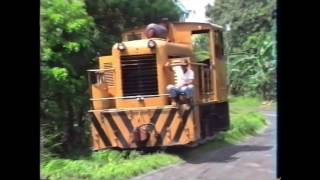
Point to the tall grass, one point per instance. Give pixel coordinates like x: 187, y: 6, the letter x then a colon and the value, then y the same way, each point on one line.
x: 244, y: 125
x: 107, y: 164
x: 245, y: 120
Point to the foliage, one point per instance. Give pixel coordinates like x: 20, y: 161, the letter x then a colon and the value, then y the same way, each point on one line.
x: 244, y: 125
x: 113, y: 16
x: 254, y: 73
x: 243, y: 102
x: 67, y: 34
x: 245, y: 120
x: 250, y: 44
x: 106, y: 165
x: 245, y: 18
x: 200, y: 46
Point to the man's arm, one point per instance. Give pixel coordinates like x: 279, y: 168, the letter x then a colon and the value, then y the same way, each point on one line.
x: 188, y: 82
x: 190, y: 79
x: 167, y: 66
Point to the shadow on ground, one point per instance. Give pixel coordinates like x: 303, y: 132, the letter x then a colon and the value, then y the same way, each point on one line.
x: 202, y: 154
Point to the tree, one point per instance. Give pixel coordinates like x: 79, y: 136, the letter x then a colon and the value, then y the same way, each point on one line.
x: 249, y: 44
x: 201, y: 46
x: 244, y: 16
x: 255, y: 73
x: 67, y: 36
x: 115, y: 16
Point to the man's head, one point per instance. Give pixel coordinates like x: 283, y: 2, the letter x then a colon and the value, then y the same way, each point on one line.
x: 185, y: 66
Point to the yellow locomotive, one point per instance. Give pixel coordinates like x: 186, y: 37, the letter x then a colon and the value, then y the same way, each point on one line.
x: 131, y: 107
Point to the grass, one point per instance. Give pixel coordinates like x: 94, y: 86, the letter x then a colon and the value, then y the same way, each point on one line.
x: 245, y: 119
x: 107, y: 164
x: 245, y: 122
x: 110, y: 164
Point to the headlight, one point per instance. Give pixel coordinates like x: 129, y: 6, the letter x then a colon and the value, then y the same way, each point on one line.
x: 151, y: 44
x: 121, y: 47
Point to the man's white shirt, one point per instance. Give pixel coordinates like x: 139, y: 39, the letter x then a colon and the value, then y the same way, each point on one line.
x: 182, y: 78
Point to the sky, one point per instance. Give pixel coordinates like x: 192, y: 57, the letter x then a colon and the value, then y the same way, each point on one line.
x: 198, y: 9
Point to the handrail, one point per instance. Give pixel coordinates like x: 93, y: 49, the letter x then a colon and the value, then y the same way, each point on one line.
x: 200, y: 64
x: 93, y: 70
x: 209, y: 93
x: 192, y: 63
x: 134, y: 109
x: 127, y: 97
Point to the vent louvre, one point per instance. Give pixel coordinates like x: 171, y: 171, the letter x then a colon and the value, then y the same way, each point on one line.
x: 108, y: 75
x: 139, y: 75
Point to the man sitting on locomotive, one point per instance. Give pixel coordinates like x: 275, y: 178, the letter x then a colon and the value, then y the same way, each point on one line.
x: 184, y: 82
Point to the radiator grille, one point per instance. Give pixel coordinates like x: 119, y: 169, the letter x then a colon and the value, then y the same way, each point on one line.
x: 139, y: 75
